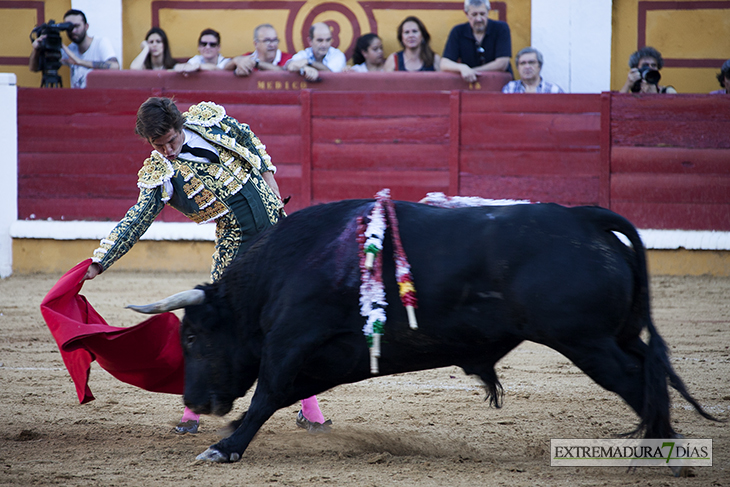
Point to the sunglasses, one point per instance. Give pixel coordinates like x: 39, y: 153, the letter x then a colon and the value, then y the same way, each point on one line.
x: 480, y: 52
x: 209, y: 44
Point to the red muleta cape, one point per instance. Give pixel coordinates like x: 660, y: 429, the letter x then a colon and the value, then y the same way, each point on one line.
x: 147, y: 355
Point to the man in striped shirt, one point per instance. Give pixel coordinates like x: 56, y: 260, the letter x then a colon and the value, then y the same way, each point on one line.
x: 529, y: 65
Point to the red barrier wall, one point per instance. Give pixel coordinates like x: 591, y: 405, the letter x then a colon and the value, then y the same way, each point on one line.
x: 661, y: 161
x: 670, y: 161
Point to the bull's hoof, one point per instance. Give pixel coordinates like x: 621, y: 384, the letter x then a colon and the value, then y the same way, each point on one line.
x: 683, y: 471
x: 213, y: 455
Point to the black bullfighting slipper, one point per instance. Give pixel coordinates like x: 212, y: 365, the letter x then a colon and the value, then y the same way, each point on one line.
x: 190, y: 426
x: 312, y: 426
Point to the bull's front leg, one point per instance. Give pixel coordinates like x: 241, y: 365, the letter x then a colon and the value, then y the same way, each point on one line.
x: 273, y: 392
x: 231, y: 448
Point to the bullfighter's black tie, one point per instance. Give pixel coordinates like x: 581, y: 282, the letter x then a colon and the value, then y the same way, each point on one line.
x: 200, y: 152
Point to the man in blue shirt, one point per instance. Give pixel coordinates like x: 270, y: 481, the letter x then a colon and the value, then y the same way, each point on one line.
x: 478, y: 45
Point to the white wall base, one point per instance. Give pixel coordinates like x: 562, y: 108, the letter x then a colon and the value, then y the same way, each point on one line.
x: 78, y: 230
x: 8, y: 168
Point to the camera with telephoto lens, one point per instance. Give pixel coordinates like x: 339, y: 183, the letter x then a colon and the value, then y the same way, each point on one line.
x: 649, y: 75
x: 50, y: 51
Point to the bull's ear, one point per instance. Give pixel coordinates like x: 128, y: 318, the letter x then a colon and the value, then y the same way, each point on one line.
x: 176, y: 301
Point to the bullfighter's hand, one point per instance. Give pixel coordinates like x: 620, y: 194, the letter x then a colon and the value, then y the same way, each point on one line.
x: 93, y: 271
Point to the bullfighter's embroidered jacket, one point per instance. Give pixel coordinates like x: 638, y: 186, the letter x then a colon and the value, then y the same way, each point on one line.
x: 202, y: 191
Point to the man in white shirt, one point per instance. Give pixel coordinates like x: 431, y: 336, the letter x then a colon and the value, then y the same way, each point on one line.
x: 84, y: 54
x: 321, y: 56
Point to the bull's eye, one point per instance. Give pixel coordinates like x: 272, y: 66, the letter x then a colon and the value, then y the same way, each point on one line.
x: 189, y: 340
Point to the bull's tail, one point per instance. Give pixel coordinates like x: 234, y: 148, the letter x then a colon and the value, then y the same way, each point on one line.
x: 655, y: 415
x: 657, y: 370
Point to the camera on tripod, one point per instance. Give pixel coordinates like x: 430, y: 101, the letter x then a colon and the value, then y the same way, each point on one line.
x: 649, y: 75
x: 50, y: 51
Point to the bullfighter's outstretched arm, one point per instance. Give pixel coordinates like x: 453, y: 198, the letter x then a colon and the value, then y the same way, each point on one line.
x: 129, y: 230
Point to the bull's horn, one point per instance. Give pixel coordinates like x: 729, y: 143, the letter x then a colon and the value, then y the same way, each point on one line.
x: 176, y: 301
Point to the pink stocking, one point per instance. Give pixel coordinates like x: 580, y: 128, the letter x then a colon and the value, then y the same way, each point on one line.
x: 188, y: 415
x: 310, y: 410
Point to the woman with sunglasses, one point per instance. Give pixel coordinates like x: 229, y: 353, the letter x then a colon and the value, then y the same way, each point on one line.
x: 210, y: 57
x: 417, y: 54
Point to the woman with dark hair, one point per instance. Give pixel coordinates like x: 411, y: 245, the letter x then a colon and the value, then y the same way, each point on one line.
x: 155, y: 52
x: 724, y: 78
x: 368, y: 55
x: 417, y: 54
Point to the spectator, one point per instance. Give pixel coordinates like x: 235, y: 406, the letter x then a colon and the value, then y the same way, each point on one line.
x: 320, y: 56
x: 417, y: 54
x: 210, y: 167
x: 368, y: 55
x: 266, y: 55
x: 644, y: 76
x: 478, y: 45
x: 210, y: 57
x: 155, y: 52
x: 724, y: 78
x: 529, y: 65
x: 84, y: 54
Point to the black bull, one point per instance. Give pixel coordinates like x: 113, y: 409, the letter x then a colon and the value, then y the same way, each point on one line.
x: 286, y: 312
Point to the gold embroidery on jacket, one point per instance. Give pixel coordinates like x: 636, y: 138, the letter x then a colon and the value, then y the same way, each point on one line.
x: 155, y: 171
x: 205, y: 114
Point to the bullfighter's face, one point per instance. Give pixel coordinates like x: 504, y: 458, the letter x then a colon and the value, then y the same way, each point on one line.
x: 170, y: 144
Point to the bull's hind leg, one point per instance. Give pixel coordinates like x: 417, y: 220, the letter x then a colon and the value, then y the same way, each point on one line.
x: 624, y: 371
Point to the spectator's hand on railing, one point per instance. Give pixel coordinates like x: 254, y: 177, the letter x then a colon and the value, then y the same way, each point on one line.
x: 245, y: 65
x: 186, y: 68
x: 309, y: 73
x: 467, y: 73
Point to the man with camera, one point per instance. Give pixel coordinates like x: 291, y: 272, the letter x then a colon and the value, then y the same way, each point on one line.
x: 644, y: 74
x: 84, y: 54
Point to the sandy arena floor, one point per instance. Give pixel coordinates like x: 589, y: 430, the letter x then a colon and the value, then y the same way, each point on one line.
x: 429, y: 428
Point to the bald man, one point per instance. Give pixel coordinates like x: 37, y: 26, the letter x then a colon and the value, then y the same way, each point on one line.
x: 320, y: 56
